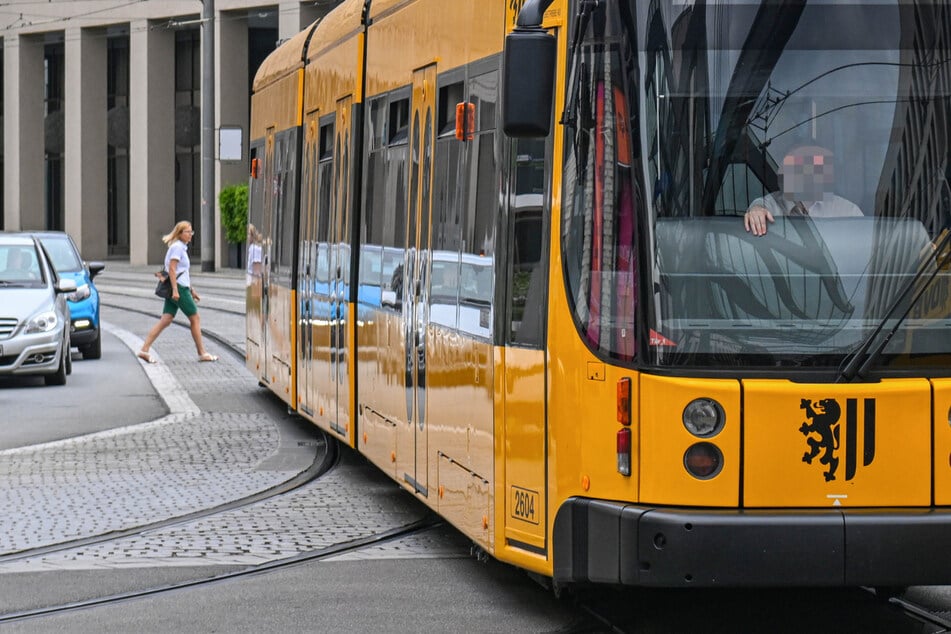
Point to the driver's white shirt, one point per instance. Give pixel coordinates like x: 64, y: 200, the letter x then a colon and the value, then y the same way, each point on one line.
x: 831, y: 206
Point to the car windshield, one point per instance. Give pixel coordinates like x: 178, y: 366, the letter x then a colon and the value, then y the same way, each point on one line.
x: 827, y: 119
x: 19, y: 266
x: 62, y: 253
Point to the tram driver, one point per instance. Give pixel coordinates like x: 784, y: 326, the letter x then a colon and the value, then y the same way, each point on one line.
x: 807, y: 177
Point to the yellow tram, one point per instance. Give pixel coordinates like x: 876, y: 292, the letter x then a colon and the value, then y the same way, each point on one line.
x: 506, y: 254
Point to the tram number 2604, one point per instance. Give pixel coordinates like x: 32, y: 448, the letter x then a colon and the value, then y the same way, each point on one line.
x: 523, y: 505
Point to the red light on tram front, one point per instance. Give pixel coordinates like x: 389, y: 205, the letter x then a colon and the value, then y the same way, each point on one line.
x: 624, y: 451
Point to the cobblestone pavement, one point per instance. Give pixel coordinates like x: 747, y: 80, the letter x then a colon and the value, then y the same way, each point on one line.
x: 215, y: 445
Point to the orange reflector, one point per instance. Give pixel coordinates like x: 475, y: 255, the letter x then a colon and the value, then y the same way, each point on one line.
x: 624, y: 451
x: 465, y: 121
x: 624, y: 401
x: 254, y: 167
x: 585, y: 482
x: 364, y: 438
x: 442, y: 490
x: 485, y: 522
x: 392, y: 456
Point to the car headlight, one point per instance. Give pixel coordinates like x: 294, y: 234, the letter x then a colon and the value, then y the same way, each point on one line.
x: 81, y: 293
x: 42, y: 322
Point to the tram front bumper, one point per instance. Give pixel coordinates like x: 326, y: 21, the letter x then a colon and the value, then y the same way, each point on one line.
x: 612, y: 542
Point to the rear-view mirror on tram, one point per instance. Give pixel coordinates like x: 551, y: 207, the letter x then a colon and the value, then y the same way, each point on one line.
x: 528, y: 76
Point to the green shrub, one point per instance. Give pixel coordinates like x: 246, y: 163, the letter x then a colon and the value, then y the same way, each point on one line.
x: 233, y: 201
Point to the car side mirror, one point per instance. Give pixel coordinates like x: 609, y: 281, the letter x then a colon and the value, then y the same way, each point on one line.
x: 65, y: 286
x: 95, y: 268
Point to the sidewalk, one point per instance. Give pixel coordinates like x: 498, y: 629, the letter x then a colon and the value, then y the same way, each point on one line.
x: 222, y: 307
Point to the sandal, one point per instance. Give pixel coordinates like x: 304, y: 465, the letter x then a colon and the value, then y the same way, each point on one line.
x: 145, y: 356
x: 208, y: 357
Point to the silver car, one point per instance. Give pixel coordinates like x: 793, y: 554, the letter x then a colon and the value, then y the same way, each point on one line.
x: 34, y: 315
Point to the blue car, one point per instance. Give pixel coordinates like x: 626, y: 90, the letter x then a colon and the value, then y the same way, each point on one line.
x: 84, y: 301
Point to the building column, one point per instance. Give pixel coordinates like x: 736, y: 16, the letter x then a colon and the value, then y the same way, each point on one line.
x: 24, y: 179
x: 151, y: 141
x: 232, y: 88
x: 86, y: 154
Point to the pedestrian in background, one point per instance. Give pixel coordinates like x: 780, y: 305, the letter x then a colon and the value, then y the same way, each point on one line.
x: 183, y: 295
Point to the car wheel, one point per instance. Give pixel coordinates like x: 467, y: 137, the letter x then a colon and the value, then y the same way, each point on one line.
x: 93, y: 350
x: 59, y: 377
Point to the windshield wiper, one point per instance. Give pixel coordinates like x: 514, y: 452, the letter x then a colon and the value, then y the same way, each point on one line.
x: 569, y: 117
x: 864, y: 357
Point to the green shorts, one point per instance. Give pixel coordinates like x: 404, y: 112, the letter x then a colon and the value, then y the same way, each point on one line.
x: 185, y: 301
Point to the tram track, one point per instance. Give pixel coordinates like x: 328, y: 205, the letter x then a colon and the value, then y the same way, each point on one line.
x: 414, y: 528
x: 325, y: 459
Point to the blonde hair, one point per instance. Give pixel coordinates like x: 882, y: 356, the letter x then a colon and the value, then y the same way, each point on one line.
x: 176, y: 232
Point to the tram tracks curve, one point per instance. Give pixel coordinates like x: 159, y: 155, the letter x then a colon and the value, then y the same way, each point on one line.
x: 419, y: 526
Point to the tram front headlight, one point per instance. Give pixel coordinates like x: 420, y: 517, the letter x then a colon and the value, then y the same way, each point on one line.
x: 703, y: 417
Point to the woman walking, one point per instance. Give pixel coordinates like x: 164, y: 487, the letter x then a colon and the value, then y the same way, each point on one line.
x: 183, y: 295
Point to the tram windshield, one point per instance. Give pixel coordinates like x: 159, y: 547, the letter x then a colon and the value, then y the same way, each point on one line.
x: 775, y: 176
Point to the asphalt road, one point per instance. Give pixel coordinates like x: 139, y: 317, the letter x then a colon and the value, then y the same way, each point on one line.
x: 100, y: 394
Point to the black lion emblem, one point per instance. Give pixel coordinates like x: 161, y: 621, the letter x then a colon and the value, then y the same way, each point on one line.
x: 822, y: 434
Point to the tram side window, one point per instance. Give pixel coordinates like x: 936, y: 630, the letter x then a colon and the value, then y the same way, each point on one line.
x: 449, y: 97
x: 446, y: 218
x: 287, y: 177
x: 279, y: 192
x: 255, y: 201
x: 394, y: 228
x: 477, y: 274
x: 371, y: 235
x: 526, y: 229
x: 325, y: 187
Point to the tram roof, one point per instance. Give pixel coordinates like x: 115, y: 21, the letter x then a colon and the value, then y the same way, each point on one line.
x: 341, y: 23
x: 286, y: 58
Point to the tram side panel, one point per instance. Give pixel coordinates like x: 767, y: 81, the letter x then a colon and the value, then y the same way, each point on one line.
x: 426, y: 393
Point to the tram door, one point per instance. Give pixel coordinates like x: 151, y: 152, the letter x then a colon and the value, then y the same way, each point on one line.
x: 307, y: 273
x: 415, y: 279
x: 255, y: 261
x: 268, y: 228
x: 526, y: 425
x: 340, y: 236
